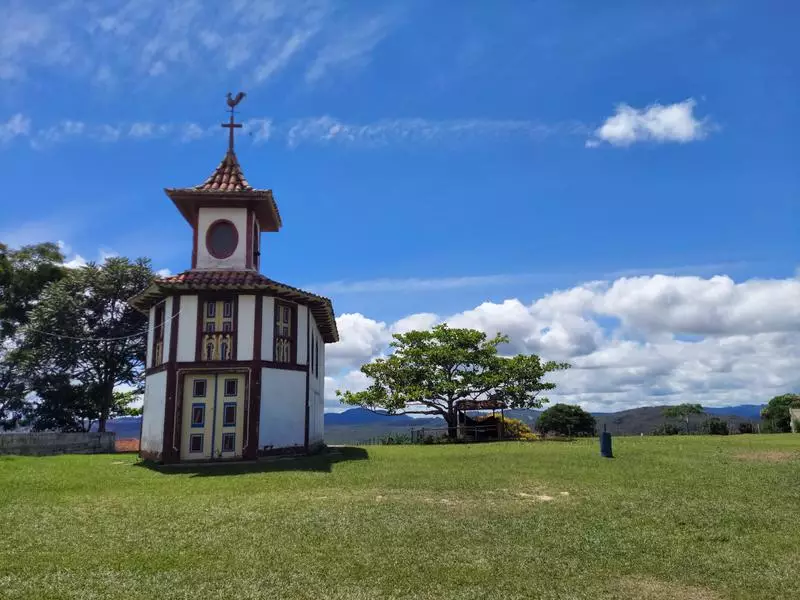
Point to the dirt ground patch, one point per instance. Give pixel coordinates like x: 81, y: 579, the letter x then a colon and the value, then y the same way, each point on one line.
x: 127, y: 445
x: 656, y: 589
x: 771, y: 456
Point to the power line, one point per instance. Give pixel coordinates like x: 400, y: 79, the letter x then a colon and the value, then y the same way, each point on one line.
x: 114, y: 339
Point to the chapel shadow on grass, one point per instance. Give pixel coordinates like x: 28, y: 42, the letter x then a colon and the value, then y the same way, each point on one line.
x: 321, y: 462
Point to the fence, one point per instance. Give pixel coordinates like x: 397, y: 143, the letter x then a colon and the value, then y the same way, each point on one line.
x: 37, y: 444
x: 431, y: 435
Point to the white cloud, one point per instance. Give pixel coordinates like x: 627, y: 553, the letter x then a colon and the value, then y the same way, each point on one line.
x: 157, y: 68
x: 107, y: 133
x: 143, y: 130
x: 77, y: 261
x: 23, y: 35
x: 145, y: 39
x: 414, y: 284
x: 192, y: 131
x: 17, y: 126
x: 259, y: 129
x: 656, y: 123
x: 351, y: 47
x: 414, y: 322
x: 744, y: 348
x: 311, y: 130
x: 326, y: 129
x: 282, y: 52
x: 365, y: 339
x: 58, y: 133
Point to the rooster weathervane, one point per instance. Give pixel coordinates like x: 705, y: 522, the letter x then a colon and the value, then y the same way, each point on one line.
x: 232, y: 102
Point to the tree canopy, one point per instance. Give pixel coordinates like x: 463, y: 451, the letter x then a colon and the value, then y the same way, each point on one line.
x: 84, y: 330
x: 683, y: 411
x: 566, y: 419
x: 776, y: 412
x: 24, y: 274
x: 428, y: 372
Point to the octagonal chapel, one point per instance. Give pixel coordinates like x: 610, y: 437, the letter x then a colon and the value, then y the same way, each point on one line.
x: 235, y: 361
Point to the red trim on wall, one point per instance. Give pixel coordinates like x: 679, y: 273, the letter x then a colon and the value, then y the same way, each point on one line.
x: 249, y: 258
x: 194, y: 241
x: 174, y: 329
x: 308, y: 383
x: 208, y: 235
x: 213, y: 365
x: 168, y: 455
x: 251, y: 452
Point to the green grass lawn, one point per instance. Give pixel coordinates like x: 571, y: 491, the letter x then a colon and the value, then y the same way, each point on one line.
x: 683, y: 518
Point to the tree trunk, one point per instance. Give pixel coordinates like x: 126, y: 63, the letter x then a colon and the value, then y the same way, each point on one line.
x: 105, y: 409
x: 452, y: 425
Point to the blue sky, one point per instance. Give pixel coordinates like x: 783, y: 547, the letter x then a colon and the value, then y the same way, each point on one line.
x: 426, y: 159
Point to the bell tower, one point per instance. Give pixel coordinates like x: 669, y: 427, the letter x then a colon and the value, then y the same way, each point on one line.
x: 235, y: 363
x: 226, y: 213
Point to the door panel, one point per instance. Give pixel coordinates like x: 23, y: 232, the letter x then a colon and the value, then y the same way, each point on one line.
x: 229, y: 421
x: 197, y: 417
x: 212, y: 416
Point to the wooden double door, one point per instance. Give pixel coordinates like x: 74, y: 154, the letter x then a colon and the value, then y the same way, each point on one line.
x: 213, y: 416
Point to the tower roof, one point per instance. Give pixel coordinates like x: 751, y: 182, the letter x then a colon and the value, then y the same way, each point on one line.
x: 227, y: 186
x: 227, y: 177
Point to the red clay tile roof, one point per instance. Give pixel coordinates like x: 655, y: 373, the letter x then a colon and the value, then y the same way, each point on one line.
x: 320, y: 307
x: 206, y: 278
x: 227, y: 182
x: 227, y: 177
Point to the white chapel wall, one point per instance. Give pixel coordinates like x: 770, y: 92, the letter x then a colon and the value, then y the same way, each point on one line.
x: 283, y: 408
x: 246, y: 327
x: 187, y: 329
x: 267, y: 328
x: 302, y: 338
x: 316, y: 392
x: 167, y: 328
x: 151, y: 323
x: 155, y: 395
x: 321, y: 388
x: 237, y: 216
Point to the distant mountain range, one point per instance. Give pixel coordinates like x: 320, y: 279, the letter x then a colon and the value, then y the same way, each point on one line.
x: 358, y: 424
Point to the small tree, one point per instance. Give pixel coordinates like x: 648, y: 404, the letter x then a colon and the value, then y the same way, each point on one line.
x: 683, y: 411
x: 776, y: 412
x: 666, y: 429
x: 566, y: 419
x: 746, y: 427
x: 428, y: 372
x: 715, y: 426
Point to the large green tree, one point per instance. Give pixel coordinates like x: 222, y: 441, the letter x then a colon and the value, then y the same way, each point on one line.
x: 428, y: 372
x: 566, y: 419
x: 84, y: 330
x: 683, y: 411
x: 24, y: 273
x: 776, y: 412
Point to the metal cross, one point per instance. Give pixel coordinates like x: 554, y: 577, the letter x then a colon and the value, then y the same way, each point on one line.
x: 232, y: 102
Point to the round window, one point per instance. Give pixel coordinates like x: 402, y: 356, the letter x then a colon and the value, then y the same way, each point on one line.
x: 222, y: 239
